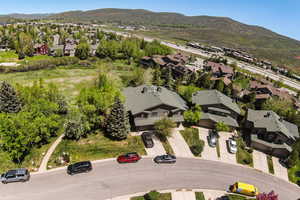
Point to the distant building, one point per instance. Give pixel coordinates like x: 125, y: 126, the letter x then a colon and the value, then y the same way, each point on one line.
x: 219, y: 70
x: 216, y: 107
x: 148, y: 104
x: 41, y: 49
x: 271, y: 134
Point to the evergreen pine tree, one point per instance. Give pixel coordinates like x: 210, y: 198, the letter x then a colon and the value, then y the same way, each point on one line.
x: 156, y: 80
x: 9, y: 101
x: 169, y: 79
x: 118, y: 123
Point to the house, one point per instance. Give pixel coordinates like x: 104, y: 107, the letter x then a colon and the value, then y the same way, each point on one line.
x: 148, y: 104
x: 271, y: 134
x: 69, y: 49
x: 219, y: 70
x: 216, y: 107
x: 41, y: 49
x: 176, y: 62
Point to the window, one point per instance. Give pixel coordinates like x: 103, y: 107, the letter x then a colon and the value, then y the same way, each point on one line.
x: 154, y: 114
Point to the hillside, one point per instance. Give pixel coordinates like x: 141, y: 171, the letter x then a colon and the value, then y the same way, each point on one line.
x: 220, y: 31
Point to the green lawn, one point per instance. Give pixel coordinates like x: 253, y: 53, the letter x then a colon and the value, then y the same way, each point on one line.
x: 167, y: 147
x: 243, y: 156
x: 191, y: 136
x: 31, y: 161
x: 8, y: 56
x: 199, y: 196
x: 96, y: 147
x: 163, y: 196
x: 292, y: 171
x: 238, y: 197
x: 270, y: 164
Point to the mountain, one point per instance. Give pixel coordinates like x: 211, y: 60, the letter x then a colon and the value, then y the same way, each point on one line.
x: 218, y: 31
x: 28, y: 16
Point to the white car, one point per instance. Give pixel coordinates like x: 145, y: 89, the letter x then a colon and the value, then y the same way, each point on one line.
x: 232, y: 146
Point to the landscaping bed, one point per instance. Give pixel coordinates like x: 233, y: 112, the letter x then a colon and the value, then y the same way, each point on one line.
x: 270, y: 164
x: 191, y: 136
x: 199, y: 196
x: 293, y: 173
x: 153, y: 195
x: 244, y: 154
x: 95, y: 147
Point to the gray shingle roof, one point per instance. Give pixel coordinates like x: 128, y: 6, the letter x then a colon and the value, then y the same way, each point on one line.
x: 144, y: 97
x: 211, y: 97
x: 217, y: 118
x: 272, y: 122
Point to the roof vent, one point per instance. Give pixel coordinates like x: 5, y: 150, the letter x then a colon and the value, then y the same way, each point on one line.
x: 145, y: 89
x: 267, y: 115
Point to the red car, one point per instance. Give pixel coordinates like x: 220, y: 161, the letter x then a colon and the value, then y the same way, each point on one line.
x: 129, y: 158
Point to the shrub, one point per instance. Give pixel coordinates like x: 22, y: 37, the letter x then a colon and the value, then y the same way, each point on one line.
x: 153, y: 195
x: 198, y: 148
x: 221, y: 126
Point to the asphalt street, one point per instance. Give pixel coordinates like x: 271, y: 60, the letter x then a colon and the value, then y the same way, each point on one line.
x: 110, y: 179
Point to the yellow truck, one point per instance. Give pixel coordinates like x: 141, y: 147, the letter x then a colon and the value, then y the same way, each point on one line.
x: 244, y: 188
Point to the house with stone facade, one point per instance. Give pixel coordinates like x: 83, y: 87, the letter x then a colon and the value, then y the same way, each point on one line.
x: 148, y: 104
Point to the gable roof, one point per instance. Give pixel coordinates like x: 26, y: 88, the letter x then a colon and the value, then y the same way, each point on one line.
x: 272, y: 122
x: 216, y: 67
x: 211, y: 97
x: 144, y: 97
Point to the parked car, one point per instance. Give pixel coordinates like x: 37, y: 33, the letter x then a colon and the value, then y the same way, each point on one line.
x: 79, y: 167
x: 147, y: 139
x: 129, y: 158
x: 212, y: 138
x: 165, y: 159
x: 232, y: 145
x: 16, y: 175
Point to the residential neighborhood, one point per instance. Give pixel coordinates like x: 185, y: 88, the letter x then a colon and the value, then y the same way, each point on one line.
x: 109, y: 110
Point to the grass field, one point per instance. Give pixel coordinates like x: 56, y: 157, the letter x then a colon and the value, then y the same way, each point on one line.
x: 243, y: 156
x: 199, y: 196
x: 191, y: 136
x: 96, y: 147
x: 270, y: 164
x: 8, y: 56
x: 163, y: 196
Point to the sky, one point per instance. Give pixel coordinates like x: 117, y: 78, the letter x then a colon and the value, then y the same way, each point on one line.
x: 281, y: 16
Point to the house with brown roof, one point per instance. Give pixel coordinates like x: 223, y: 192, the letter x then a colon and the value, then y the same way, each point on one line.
x: 219, y: 70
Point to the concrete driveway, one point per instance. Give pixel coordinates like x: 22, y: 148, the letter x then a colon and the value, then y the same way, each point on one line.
x: 279, y: 170
x: 183, y: 195
x: 157, y: 149
x: 209, y: 153
x: 260, y: 161
x: 178, y: 144
x: 225, y: 155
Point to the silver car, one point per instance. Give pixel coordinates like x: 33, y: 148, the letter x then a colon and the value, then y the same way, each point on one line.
x: 16, y: 175
x: 232, y: 146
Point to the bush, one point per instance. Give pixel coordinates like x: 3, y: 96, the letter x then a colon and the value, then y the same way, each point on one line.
x: 221, y: 126
x: 197, y: 149
x: 153, y: 195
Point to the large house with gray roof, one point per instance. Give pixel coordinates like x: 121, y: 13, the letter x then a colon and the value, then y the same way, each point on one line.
x: 271, y: 134
x: 216, y: 107
x: 148, y: 104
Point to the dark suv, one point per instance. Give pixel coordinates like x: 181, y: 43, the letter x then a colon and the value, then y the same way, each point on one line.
x: 147, y: 139
x: 79, y: 167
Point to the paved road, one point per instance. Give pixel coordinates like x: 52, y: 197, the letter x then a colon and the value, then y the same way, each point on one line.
x: 109, y: 179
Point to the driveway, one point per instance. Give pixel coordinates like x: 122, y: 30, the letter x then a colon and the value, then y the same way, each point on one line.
x: 208, y: 153
x: 110, y: 179
x: 157, y: 149
x: 260, y: 161
x: 178, y: 144
x: 183, y: 195
x: 225, y: 155
x: 279, y: 170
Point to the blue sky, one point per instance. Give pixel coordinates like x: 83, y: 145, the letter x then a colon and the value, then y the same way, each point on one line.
x: 281, y: 16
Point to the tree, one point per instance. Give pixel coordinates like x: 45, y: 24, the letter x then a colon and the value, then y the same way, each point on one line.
x: 193, y: 116
x: 156, y: 80
x: 204, y: 81
x: 24, y: 45
x: 169, y: 82
x: 293, y: 158
x: 152, y: 195
x: 82, y: 51
x: 9, y: 100
x: 187, y: 91
x: 164, y: 128
x: 75, y: 127
x: 221, y: 126
x: 118, y: 123
x: 220, y: 86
